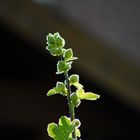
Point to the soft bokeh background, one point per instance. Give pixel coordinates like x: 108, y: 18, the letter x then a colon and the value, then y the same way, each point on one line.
x: 105, y: 37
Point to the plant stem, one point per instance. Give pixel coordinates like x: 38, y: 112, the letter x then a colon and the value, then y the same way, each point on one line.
x: 71, y: 108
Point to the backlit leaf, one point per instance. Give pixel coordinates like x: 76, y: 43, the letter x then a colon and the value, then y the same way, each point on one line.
x: 86, y: 95
x: 78, y: 133
x: 63, y: 67
x: 74, y: 78
x: 55, y: 43
x: 50, y: 128
x: 78, y: 85
x: 68, y: 55
x: 60, y: 42
x: 54, y: 50
x: 75, y: 100
x: 50, y: 39
x: 51, y: 92
x: 90, y: 96
x: 62, y: 131
x: 61, y: 88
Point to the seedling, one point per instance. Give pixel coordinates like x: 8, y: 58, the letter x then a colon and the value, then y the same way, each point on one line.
x: 67, y: 127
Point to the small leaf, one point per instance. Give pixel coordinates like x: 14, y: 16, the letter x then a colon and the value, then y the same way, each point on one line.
x: 54, y: 50
x: 51, y: 46
x: 90, y: 96
x: 72, y: 59
x: 56, y: 35
x: 78, y: 133
x: 86, y: 96
x: 63, y: 67
x: 55, y: 43
x: 50, y: 128
x: 50, y: 39
x: 63, y: 131
x: 61, y: 88
x: 75, y: 101
x: 60, y: 42
x: 64, y: 121
x: 80, y: 92
x: 78, y: 85
x: 51, y: 92
x: 74, y: 78
x: 68, y: 55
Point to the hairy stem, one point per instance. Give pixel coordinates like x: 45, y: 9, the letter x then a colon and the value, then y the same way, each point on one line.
x: 71, y: 108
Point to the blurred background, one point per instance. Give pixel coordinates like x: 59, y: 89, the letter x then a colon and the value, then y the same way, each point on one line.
x: 105, y: 36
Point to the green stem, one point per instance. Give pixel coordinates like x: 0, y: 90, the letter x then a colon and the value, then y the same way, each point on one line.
x: 71, y: 108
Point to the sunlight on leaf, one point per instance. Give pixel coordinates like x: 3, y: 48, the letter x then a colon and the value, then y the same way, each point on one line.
x: 51, y: 92
x: 61, y: 88
x: 86, y: 95
x: 74, y: 78
x: 75, y: 100
x: 62, y: 131
x: 63, y: 67
x: 50, y: 128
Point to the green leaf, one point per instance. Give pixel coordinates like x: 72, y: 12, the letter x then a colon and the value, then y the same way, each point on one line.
x: 63, y: 131
x: 50, y: 39
x: 77, y: 124
x: 63, y: 67
x: 80, y: 92
x: 86, y: 96
x: 55, y: 43
x: 56, y: 35
x: 60, y: 42
x: 74, y: 98
x: 74, y: 78
x: 64, y: 121
x: 61, y: 88
x: 78, y: 85
x: 51, y: 46
x: 68, y: 55
x: 52, y: 92
x: 78, y: 133
x: 50, y: 128
x: 90, y: 96
x: 72, y: 59
x: 54, y: 50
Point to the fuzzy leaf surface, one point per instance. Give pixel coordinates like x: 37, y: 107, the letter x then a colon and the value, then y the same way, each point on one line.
x: 60, y: 42
x: 54, y: 50
x: 50, y: 128
x: 55, y: 44
x: 63, y: 67
x: 74, y: 78
x: 62, y: 131
x: 78, y: 133
x: 52, y: 92
x: 50, y: 39
x: 61, y: 88
x: 86, y: 95
x: 75, y: 100
x: 68, y: 55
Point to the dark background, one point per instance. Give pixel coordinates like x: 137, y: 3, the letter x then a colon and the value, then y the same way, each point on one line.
x: 27, y: 72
